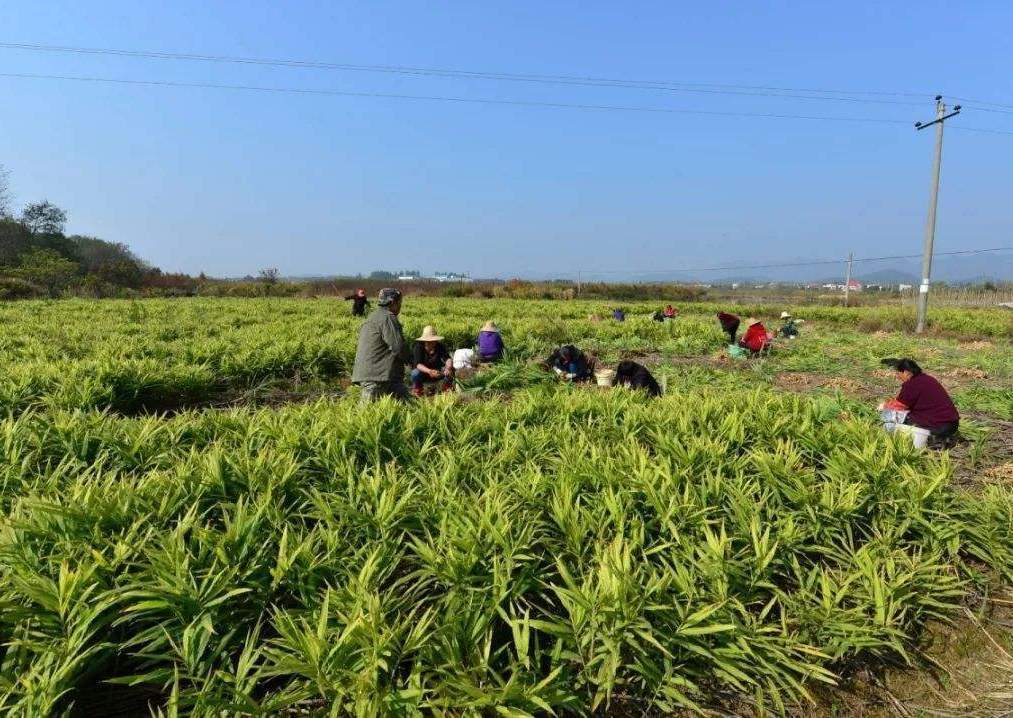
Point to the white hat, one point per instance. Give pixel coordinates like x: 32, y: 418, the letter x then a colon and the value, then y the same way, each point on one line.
x: 429, y: 335
x: 751, y: 321
x: 785, y: 315
x: 490, y: 326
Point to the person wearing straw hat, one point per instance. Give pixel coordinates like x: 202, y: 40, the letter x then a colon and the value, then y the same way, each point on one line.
x: 756, y: 339
x: 490, y: 343
x: 790, y: 327
x: 432, y: 363
x: 381, y: 353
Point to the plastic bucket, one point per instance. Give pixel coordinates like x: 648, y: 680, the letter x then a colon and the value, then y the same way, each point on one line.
x: 919, y: 436
x: 605, y: 377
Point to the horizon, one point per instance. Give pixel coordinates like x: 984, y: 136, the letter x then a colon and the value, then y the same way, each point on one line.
x: 227, y: 181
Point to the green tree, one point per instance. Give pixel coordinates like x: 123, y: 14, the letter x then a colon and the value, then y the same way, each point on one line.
x: 268, y: 277
x: 46, y: 268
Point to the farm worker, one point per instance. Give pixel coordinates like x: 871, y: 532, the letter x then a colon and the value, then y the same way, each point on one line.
x: 658, y: 316
x: 381, y: 354
x: 432, y: 363
x: 359, y: 302
x: 756, y: 338
x: 618, y: 314
x: 570, y: 364
x: 928, y: 404
x: 636, y: 376
x: 729, y: 325
x: 670, y: 312
x: 490, y: 343
x: 790, y: 327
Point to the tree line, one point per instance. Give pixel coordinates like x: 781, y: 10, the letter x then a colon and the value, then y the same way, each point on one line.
x: 37, y: 257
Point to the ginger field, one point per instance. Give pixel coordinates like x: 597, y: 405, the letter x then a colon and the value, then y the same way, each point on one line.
x: 199, y: 519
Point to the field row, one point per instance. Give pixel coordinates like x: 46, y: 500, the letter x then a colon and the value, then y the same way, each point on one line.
x: 564, y: 550
x: 166, y: 355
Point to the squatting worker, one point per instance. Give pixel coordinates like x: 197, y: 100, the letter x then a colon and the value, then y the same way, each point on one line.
x: 928, y: 404
x: 382, y: 353
x: 432, y: 363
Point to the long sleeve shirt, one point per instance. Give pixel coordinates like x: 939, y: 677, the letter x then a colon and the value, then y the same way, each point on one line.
x: 382, y: 352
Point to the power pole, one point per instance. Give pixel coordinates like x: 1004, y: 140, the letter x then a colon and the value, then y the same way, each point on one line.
x: 847, y: 278
x: 578, y: 283
x: 930, y: 225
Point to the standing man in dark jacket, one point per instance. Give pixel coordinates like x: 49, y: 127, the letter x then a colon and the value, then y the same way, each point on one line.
x: 359, y: 302
x: 382, y: 352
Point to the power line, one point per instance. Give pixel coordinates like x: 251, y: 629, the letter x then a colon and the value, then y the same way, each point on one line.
x: 780, y: 265
x: 445, y: 98
x: 669, y: 86
x: 980, y: 129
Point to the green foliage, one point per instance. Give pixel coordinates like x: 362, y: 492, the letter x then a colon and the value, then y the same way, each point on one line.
x: 563, y: 551
x: 537, y: 548
x: 47, y: 268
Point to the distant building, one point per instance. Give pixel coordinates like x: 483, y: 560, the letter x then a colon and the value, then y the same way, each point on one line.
x: 904, y: 287
x: 451, y: 277
x: 854, y: 285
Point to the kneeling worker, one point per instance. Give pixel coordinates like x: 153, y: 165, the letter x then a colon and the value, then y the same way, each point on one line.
x: 570, y: 364
x: 382, y: 353
x: 928, y: 404
x: 432, y: 363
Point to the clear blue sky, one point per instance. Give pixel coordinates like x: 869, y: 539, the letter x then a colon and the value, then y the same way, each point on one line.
x: 229, y: 182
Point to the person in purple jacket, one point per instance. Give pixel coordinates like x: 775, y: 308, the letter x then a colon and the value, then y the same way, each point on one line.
x: 928, y: 404
x: 490, y: 343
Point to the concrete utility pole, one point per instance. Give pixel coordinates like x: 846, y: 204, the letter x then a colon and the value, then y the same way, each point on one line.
x: 847, y: 278
x: 930, y: 225
x: 578, y: 282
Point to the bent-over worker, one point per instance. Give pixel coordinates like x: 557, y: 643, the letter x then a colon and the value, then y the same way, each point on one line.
x: 756, y: 338
x: 381, y: 353
x: 636, y: 376
x: 570, y: 364
x: 729, y: 325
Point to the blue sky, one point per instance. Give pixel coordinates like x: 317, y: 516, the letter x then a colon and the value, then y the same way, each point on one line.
x: 229, y: 182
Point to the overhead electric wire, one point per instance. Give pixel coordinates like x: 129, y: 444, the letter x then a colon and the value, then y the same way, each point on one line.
x: 981, y: 129
x: 669, y: 86
x: 691, y: 87
x: 445, y: 98
x: 780, y: 265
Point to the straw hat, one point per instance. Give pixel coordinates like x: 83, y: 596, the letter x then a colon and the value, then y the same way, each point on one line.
x: 429, y: 335
x: 785, y: 315
x: 751, y: 321
x: 490, y: 326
